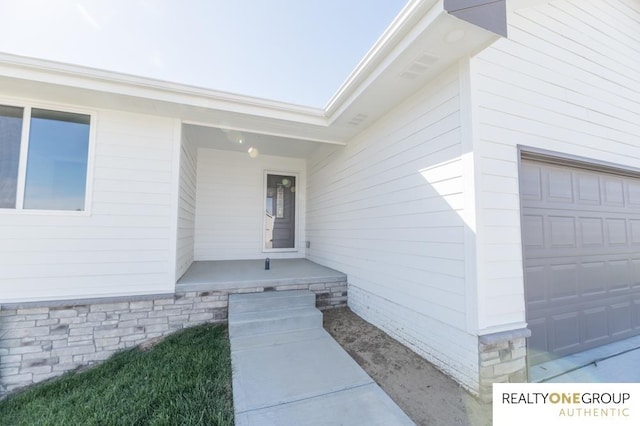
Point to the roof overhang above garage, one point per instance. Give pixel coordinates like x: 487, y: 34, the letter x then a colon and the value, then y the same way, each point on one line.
x: 427, y: 37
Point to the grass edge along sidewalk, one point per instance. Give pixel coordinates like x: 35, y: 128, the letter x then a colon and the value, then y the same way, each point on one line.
x: 184, y: 379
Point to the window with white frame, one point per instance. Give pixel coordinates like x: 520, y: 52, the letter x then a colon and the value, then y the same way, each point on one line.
x: 43, y: 159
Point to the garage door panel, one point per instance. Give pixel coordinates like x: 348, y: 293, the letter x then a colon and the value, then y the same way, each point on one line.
x: 562, y: 231
x: 559, y: 186
x: 538, y: 342
x: 591, y: 231
x: 565, y: 331
x: 620, y: 318
x: 592, y: 279
x: 588, y: 189
x: 530, y: 182
x: 581, y: 241
x: 613, y: 191
x: 636, y: 313
x: 596, y: 327
x: 536, y: 294
x: 633, y: 195
x: 635, y: 273
x: 634, y: 232
x: 618, y: 275
x: 534, y: 234
x: 616, y: 232
x: 563, y: 283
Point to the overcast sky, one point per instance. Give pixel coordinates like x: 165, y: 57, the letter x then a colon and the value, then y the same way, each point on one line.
x: 297, y: 51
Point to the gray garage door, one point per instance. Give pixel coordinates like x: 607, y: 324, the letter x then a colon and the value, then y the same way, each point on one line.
x: 581, y: 237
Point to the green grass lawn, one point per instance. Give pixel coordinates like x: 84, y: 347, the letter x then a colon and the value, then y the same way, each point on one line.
x: 183, y: 380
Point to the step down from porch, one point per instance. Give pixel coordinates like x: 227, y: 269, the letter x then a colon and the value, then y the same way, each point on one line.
x: 272, y: 312
x: 287, y: 370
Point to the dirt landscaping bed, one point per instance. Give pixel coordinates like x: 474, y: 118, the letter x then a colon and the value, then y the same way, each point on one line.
x: 428, y: 396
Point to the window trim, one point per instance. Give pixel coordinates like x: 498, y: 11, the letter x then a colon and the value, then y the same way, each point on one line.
x: 24, y: 150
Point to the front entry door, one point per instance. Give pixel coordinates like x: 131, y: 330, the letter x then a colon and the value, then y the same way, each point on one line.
x: 280, y: 220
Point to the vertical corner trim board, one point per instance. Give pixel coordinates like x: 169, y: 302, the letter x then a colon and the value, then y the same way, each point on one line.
x: 488, y: 14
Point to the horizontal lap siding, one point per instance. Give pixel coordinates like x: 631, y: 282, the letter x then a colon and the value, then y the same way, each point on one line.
x: 386, y: 210
x: 123, y: 245
x: 186, y: 207
x: 566, y: 80
x: 230, y: 205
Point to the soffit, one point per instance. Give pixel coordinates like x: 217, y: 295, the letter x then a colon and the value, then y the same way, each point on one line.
x: 240, y: 141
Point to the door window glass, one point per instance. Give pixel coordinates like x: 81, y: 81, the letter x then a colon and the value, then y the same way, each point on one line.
x: 280, y: 208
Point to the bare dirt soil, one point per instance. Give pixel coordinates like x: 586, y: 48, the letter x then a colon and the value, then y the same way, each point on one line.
x: 428, y: 396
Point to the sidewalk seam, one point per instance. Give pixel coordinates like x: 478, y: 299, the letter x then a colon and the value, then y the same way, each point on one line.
x: 307, y: 398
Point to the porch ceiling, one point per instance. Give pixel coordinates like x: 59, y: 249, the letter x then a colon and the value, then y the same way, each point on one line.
x: 240, y: 141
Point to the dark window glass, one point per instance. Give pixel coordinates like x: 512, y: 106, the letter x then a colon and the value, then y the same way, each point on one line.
x: 10, y: 135
x: 57, y: 161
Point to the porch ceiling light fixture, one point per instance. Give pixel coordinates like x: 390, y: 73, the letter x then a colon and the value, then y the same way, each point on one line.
x: 253, y: 152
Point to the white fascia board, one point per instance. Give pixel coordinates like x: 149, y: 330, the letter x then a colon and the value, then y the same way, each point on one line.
x: 417, y: 30
x: 406, y: 20
x: 56, y: 73
x: 248, y: 129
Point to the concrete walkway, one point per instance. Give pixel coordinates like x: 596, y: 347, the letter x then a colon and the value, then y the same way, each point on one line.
x: 287, y: 370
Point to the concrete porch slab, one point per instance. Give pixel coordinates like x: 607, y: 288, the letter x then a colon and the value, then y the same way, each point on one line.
x: 237, y: 274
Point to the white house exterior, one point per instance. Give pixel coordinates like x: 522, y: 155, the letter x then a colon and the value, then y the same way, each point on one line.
x: 470, y: 185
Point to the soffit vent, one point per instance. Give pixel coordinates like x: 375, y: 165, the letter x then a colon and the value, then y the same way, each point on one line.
x: 419, y: 66
x: 355, y: 121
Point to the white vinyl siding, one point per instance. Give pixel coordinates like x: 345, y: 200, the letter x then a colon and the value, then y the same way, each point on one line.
x: 123, y: 246
x: 186, y: 207
x: 566, y: 80
x: 231, y: 206
x: 387, y: 210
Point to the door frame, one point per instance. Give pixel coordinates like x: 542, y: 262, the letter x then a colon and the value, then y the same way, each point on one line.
x: 263, y: 208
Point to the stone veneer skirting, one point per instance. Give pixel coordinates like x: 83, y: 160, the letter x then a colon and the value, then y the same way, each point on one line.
x: 503, y: 359
x: 41, y: 340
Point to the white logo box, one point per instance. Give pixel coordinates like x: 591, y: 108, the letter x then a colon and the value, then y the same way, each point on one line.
x: 550, y: 404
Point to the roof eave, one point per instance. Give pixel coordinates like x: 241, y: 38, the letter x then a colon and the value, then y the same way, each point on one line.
x: 372, y: 89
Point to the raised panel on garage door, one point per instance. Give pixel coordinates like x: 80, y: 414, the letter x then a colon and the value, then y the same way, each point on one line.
x: 581, y: 243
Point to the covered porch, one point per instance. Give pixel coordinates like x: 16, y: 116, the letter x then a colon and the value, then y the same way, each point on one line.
x: 243, y: 199
x: 244, y: 276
